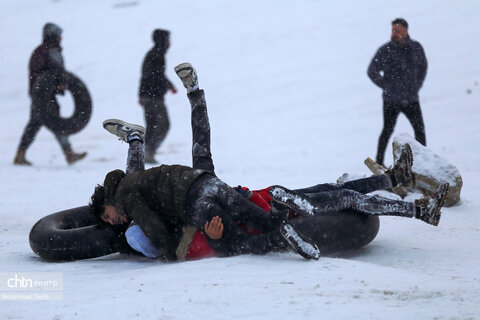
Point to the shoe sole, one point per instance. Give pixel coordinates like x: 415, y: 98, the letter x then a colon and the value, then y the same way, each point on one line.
x: 183, y: 70
x: 294, y: 200
x: 440, y: 198
x: 117, y: 122
x: 301, y: 246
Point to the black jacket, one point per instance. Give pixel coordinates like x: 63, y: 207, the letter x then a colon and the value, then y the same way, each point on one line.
x: 399, y: 71
x: 155, y: 199
x: 46, y: 57
x: 154, y: 83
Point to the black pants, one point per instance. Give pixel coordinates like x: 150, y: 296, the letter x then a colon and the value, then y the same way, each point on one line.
x: 391, y: 110
x: 210, y: 197
x: 31, y: 130
x: 157, y: 124
x: 328, y: 198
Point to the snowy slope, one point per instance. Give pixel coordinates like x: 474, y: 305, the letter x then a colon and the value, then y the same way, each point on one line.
x: 289, y: 103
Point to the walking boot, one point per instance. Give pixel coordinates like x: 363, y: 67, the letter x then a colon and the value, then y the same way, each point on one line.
x: 20, y: 158
x: 73, y: 157
x: 428, y: 209
x: 401, y: 174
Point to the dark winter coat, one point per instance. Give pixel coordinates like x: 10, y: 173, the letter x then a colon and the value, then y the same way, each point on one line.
x: 155, y: 199
x: 46, y: 57
x: 154, y: 83
x: 399, y: 71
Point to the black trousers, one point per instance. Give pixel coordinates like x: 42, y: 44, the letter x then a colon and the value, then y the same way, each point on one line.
x: 391, y: 110
x: 210, y: 197
x: 157, y: 124
x: 31, y: 129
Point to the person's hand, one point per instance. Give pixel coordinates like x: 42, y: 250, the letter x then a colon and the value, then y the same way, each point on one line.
x: 173, y: 89
x: 214, y: 228
x: 61, y: 89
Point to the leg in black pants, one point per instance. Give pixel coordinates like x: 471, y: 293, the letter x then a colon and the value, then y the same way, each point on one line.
x: 390, y: 115
x: 201, y: 154
x: 414, y: 114
x: 210, y: 197
x: 365, y: 185
x: 157, y: 126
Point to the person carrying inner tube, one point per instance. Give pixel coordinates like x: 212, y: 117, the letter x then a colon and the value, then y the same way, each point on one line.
x: 47, y: 57
x: 327, y: 197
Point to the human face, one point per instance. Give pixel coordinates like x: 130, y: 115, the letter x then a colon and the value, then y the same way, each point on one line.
x: 111, y: 215
x: 399, y: 33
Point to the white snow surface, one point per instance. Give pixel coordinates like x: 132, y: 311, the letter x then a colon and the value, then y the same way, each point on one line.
x: 289, y: 103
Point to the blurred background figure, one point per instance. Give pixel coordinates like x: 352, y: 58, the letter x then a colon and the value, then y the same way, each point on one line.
x: 47, y: 57
x: 153, y: 87
x: 399, y: 67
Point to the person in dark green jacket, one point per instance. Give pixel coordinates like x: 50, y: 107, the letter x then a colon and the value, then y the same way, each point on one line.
x: 165, y: 199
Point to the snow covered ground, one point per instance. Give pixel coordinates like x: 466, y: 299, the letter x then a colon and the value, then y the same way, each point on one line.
x: 289, y: 103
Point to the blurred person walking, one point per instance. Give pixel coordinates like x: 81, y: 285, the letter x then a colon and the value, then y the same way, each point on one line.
x: 399, y: 68
x: 153, y: 87
x: 47, y: 57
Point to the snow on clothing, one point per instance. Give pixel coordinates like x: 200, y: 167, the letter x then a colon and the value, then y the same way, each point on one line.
x: 399, y: 70
x: 155, y: 199
x: 164, y: 199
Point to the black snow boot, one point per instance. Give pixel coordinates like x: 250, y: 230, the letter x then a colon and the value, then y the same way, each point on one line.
x: 296, y: 201
x: 299, y: 243
x: 428, y: 210
x: 401, y: 174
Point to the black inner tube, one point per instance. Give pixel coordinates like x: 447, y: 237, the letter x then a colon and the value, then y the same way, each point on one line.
x: 338, y: 231
x: 75, y: 234
x: 45, y: 104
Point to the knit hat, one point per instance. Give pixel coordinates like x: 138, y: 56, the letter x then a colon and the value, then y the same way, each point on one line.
x: 160, y: 36
x: 51, y: 32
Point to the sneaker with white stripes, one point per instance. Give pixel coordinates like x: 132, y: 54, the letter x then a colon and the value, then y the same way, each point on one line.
x: 187, y: 73
x: 123, y: 130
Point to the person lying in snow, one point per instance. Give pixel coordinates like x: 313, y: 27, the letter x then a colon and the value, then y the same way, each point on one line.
x: 164, y: 200
x: 325, y: 197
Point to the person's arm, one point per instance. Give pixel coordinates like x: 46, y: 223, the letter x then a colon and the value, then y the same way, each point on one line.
x: 147, y: 66
x: 422, y: 65
x: 56, y: 65
x: 375, y: 68
x: 170, y: 86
